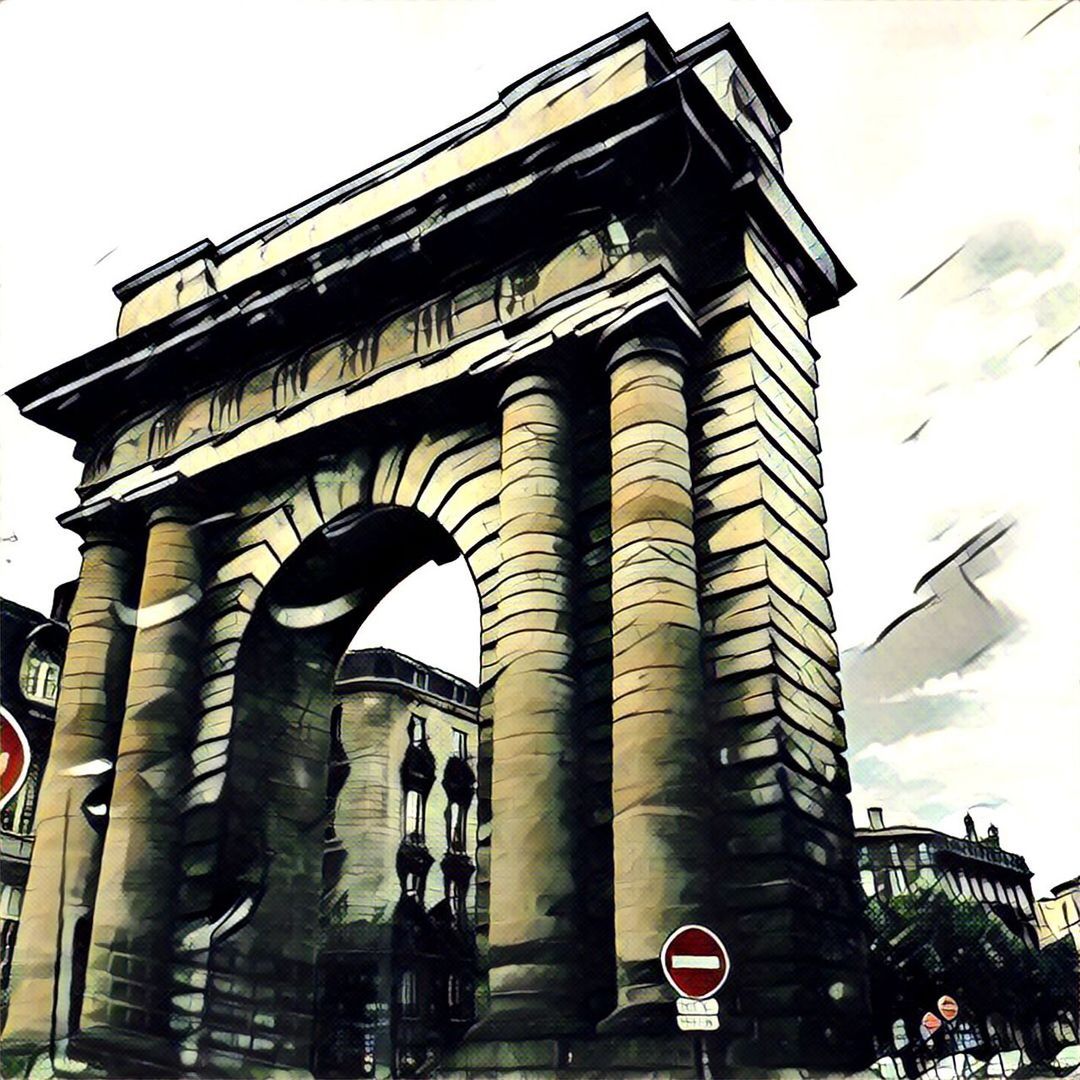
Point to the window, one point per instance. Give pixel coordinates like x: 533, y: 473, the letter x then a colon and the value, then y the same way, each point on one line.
x: 965, y: 885
x: 461, y: 744
x: 453, y: 991
x: 867, y: 879
x: 899, y: 1034
x: 412, y: 885
x: 40, y: 675
x: 457, y: 827
x: 455, y: 897
x: 408, y: 997
x: 414, y: 814
x: 417, y: 731
x: 896, y: 870
x: 10, y: 902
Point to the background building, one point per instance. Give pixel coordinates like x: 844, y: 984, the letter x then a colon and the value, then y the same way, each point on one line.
x: 1058, y: 915
x: 397, y: 960
x: 897, y: 859
x: 31, y: 655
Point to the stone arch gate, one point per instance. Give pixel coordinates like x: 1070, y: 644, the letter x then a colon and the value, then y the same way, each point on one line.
x: 567, y: 339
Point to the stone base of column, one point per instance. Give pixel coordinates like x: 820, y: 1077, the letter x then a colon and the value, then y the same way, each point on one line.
x: 532, y: 1000
x: 106, y: 1052
x: 523, y: 1016
x: 671, y: 1055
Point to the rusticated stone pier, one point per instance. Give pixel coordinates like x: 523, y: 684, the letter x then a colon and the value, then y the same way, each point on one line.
x: 567, y: 341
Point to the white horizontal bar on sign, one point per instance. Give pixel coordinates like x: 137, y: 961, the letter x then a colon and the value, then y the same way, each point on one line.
x: 698, y: 1023
x: 702, y: 963
x: 694, y: 1007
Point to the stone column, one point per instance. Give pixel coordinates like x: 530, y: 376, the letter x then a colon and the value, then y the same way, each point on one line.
x: 534, y: 952
x: 70, y: 824
x: 127, y: 985
x: 659, y: 781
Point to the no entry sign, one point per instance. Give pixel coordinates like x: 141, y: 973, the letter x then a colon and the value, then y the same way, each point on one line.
x: 947, y: 1006
x: 14, y: 757
x: 930, y: 1023
x: 695, y: 962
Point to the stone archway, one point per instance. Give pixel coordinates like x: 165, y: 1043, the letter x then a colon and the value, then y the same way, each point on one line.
x: 568, y: 339
x: 259, y: 846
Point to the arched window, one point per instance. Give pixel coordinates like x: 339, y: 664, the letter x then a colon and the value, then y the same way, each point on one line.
x: 39, y: 677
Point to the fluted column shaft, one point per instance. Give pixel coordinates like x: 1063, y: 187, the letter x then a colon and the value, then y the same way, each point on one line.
x: 534, y: 932
x: 70, y: 823
x: 127, y: 986
x: 659, y: 782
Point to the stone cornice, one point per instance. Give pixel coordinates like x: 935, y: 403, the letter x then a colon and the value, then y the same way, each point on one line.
x: 617, y: 159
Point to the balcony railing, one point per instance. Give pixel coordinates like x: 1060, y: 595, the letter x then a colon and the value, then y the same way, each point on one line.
x: 971, y: 849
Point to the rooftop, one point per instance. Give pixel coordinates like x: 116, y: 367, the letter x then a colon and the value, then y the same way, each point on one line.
x: 362, y: 667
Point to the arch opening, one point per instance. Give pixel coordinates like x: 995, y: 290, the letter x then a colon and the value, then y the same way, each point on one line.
x: 348, y: 818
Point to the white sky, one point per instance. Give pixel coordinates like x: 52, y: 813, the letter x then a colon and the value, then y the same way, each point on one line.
x: 131, y: 130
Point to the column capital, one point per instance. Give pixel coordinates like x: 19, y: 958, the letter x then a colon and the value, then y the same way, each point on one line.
x: 104, y: 522
x: 532, y: 377
x: 662, y: 324
x: 183, y: 513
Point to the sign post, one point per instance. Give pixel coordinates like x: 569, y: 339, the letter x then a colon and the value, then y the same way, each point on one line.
x: 696, y: 964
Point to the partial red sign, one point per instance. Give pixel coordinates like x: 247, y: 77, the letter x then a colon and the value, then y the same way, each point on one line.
x: 14, y: 757
x: 695, y: 962
x: 930, y: 1023
x: 947, y: 1007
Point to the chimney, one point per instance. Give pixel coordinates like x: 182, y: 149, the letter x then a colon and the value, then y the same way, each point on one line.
x: 877, y: 818
x: 969, y: 828
x: 61, y: 604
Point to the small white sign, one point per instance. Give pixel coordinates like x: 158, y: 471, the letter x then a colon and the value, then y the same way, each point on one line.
x: 693, y: 1007
x: 698, y: 1023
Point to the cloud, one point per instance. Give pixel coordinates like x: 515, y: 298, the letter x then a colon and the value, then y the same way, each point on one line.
x: 907, y: 680
x: 1005, y: 247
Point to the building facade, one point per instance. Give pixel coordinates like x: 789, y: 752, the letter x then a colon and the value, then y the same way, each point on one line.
x: 900, y: 858
x: 31, y: 656
x: 398, y: 965
x: 1058, y: 915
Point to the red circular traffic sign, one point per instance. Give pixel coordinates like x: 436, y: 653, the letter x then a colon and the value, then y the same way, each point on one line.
x: 695, y: 961
x: 14, y: 757
x: 930, y: 1023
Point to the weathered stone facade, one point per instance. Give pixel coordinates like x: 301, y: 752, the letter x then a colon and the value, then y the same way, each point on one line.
x: 567, y: 340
